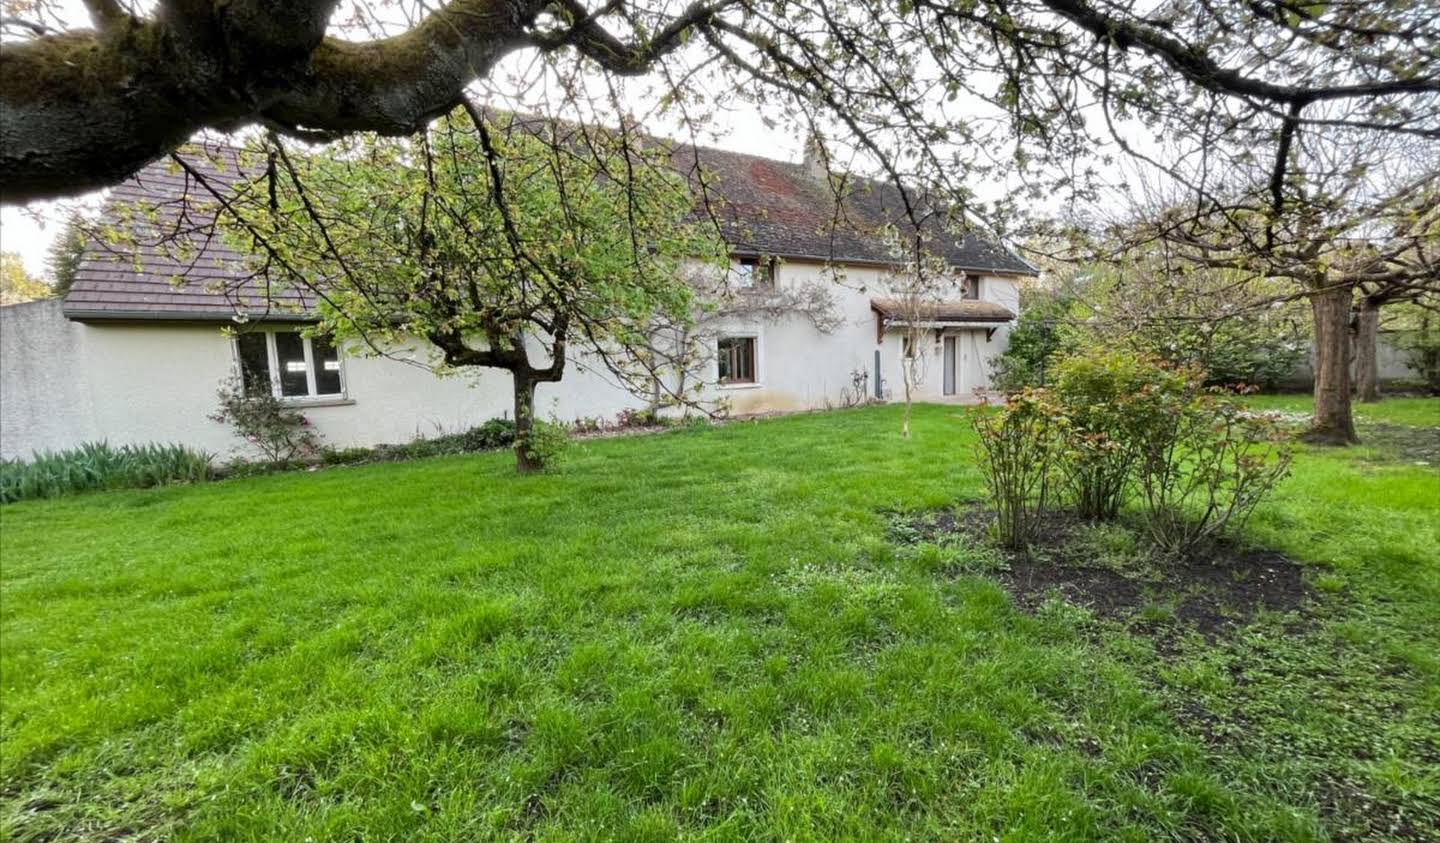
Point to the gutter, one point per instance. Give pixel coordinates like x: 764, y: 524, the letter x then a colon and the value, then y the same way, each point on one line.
x: 83, y: 315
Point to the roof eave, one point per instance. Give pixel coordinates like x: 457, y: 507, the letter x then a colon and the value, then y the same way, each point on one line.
x: 81, y: 314
x: 869, y: 262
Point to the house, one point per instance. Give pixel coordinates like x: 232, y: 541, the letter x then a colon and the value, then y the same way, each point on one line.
x: 132, y: 356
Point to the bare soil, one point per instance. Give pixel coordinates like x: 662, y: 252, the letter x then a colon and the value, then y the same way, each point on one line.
x: 1213, y: 591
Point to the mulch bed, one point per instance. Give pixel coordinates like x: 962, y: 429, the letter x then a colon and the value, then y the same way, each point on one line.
x: 1213, y: 591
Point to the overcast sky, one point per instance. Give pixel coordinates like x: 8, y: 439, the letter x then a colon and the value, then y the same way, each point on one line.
x: 737, y: 126
x: 29, y: 231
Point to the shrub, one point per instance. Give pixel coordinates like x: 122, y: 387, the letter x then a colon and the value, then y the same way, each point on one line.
x: 1419, y: 342
x: 97, y: 465
x: 1110, y: 400
x: 548, y: 442
x: 1204, y: 470
x: 1237, y: 359
x: 492, y: 435
x: 1018, y: 445
x: 282, y: 434
x: 632, y: 418
x: 1115, y: 422
x: 343, y: 456
x: 1034, y: 344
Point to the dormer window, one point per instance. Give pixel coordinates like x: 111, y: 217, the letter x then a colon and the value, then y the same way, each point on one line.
x: 755, y: 275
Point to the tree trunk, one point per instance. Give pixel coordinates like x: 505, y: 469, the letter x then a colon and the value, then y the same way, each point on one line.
x: 1332, y: 423
x: 1367, y: 366
x: 907, y: 376
x: 526, y: 461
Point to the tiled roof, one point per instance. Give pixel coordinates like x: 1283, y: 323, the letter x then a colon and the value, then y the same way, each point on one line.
x: 958, y: 310
x: 174, y: 266
x: 778, y: 208
x: 766, y: 207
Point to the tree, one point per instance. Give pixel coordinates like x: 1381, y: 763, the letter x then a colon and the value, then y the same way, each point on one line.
x: 81, y: 108
x: 66, y: 252
x: 502, y: 242
x: 1374, y: 297
x: 17, y: 285
x: 1234, y: 329
x: 1350, y: 212
x: 1042, y: 94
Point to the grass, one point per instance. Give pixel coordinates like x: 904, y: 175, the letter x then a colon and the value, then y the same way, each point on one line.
x: 705, y: 634
x: 1413, y: 412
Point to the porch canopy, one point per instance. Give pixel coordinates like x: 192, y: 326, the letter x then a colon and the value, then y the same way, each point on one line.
x: 957, y: 313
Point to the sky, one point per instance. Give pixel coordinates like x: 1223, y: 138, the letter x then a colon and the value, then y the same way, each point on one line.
x: 739, y: 126
x: 29, y: 231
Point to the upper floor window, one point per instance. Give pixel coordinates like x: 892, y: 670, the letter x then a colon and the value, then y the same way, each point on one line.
x: 970, y: 287
x: 289, y: 365
x: 755, y: 275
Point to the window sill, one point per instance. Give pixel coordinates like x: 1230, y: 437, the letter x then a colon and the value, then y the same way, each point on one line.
x: 305, y: 403
x: 751, y: 385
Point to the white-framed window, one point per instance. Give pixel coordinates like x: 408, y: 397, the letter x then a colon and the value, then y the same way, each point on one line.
x: 755, y: 275
x: 289, y: 364
x: 737, y: 360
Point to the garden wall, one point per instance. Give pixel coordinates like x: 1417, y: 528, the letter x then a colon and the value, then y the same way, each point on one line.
x: 1394, y: 369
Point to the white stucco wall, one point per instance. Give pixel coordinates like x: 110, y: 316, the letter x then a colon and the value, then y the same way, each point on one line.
x: 44, y: 380
x: 974, y: 352
x: 63, y: 383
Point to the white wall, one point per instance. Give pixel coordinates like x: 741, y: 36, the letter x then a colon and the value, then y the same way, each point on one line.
x: 975, y: 352
x: 44, y: 380
x: 799, y: 367
x: 63, y: 383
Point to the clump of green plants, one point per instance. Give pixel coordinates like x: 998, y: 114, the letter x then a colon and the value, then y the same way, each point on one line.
x: 493, y: 435
x: 1018, y: 447
x: 1034, y: 343
x: 98, y: 465
x: 1112, y: 402
x: 281, y: 433
x: 1117, y: 427
x: 1204, y: 467
x: 547, y: 443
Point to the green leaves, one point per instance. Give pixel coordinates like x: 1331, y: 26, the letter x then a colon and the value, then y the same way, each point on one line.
x: 534, y: 226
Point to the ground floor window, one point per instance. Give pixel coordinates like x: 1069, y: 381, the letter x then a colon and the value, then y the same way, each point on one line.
x: 289, y: 365
x: 737, y: 360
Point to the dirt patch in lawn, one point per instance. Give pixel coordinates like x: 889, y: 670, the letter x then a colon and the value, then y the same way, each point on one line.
x: 1398, y: 443
x: 1109, y: 571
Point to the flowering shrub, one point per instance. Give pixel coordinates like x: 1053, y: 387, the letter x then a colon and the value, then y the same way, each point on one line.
x: 1204, y: 470
x: 279, y: 432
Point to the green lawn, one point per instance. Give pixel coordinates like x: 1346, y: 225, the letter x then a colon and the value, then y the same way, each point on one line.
x: 706, y: 633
